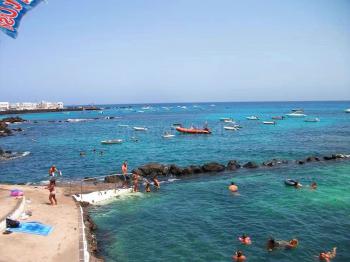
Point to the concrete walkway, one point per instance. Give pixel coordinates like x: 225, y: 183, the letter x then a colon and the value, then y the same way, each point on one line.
x: 63, y: 242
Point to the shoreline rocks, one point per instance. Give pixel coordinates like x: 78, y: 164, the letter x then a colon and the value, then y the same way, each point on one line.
x: 4, y: 125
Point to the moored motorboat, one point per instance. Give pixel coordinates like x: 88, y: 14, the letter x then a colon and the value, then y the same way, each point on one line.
x: 138, y: 128
x: 193, y: 130
x: 290, y: 182
x: 295, y: 114
x: 111, y: 141
x: 167, y: 135
x: 231, y: 121
x: 347, y: 110
x: 269, y: 122
x: 230, y: 128
x: 225, y: 119
x: 312, y: 120
x: 252, y: 118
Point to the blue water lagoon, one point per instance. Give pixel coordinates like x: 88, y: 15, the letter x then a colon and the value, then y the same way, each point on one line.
x: 198, y: 218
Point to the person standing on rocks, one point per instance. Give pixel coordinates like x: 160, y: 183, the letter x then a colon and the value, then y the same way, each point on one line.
x: 135, y: 181
x: 125, y: 173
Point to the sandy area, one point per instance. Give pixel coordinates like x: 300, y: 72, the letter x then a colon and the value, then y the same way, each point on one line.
x: 63, y: 242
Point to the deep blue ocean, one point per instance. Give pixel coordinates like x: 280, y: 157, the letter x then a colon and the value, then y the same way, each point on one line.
x: 198, y: 219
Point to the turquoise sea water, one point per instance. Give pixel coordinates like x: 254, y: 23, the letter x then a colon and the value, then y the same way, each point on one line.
x: 197, y: 219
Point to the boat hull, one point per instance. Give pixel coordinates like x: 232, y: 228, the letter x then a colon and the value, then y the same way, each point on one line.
x: 193, y: 131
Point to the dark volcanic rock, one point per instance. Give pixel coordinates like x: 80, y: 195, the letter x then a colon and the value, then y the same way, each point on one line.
x: 196, y: 169
x: 332, y: 157
x: 175, y: 170
x: 272, y: 162
x: 312, y: 159
x: 251, y: 164
x: 232, y: 165
x: 115, y: 179
x: 12, y: 120
x: 187, y: 171
x: 213, y: 167
x: 300, y: 162
x: 153, y: 169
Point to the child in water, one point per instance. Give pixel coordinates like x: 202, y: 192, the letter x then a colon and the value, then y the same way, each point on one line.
x: 245, y: 240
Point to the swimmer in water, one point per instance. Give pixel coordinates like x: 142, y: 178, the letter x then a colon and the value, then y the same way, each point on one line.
x: 327, y: 256
x: 245, y: 240
x: 297, y: 185
x: 292, y: 243
x: 271, y: 244
x: 82, y: 153
x: 313, y: 186
x: 239, y: 257
x: 233, y: 187
x: 156, y: 182
x: 148, y: 187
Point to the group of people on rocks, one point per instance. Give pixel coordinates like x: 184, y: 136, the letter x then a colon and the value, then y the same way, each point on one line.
x: 273, y: 244
x: 136, y: 179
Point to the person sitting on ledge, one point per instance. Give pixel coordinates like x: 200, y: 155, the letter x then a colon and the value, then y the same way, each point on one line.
x: 135, y: 180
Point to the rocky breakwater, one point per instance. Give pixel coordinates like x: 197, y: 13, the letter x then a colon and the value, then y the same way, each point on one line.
x: 4, y: 125
x: 151, y: 170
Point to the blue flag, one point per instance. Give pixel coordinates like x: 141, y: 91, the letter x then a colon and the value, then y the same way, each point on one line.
x: 11, y: 13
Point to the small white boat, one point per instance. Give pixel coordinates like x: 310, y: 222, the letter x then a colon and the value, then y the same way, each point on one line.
x: 230, y: 128
x: 252, y: 118
x: 138, y: 128
x: 225, y: 119
x: 111, y: 141
x: 312, y: 120
x: 296, y: 115
x: 146, y: 108
x: 140, y: 111
x: 123, y: 125
x: 231, y: 121
x: 347, y: 110
x: 269, y: 122
x: 167, y: 135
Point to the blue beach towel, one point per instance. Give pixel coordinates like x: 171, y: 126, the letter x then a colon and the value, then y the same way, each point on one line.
x: 32, y: 228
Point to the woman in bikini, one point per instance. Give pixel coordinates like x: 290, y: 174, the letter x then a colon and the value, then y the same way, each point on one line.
x: 52, y: 195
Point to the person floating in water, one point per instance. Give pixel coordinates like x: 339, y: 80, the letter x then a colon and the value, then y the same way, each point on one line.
x: 271, y: 244
x: 125, y: 173
x: 292, y: 244
x: 245, y: 240
x: 156, y: 182
x: 297, y: 185
x: 135, y: 181
x: 233, y: 187
x: 53, y: 170
x: 313, y: 186
x: 327, y: 256
x: 148, y: 187
x: 239, y: 257
x: 52, y: 195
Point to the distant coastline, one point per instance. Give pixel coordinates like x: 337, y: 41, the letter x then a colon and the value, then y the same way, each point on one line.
x: 68, y: 109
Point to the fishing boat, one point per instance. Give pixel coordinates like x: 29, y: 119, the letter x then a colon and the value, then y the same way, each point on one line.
x: 312, y: 120
x: 252, y: 118
x: 230, y: 128
x: 347, y: 110
x: 111, y: 141
x: 269, y: 122
x: 138, y: 128
x: 295, y: 114
x: 193, y: 130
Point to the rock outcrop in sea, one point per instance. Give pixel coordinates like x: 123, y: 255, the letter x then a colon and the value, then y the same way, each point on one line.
x: 151, y: 170
x: 4, y: 125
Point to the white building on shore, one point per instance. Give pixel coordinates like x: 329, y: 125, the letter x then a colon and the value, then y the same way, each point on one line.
x: 4, y: 106
x: 43, y: 105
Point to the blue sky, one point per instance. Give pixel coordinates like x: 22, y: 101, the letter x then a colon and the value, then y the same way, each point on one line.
x: 143, y: 51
